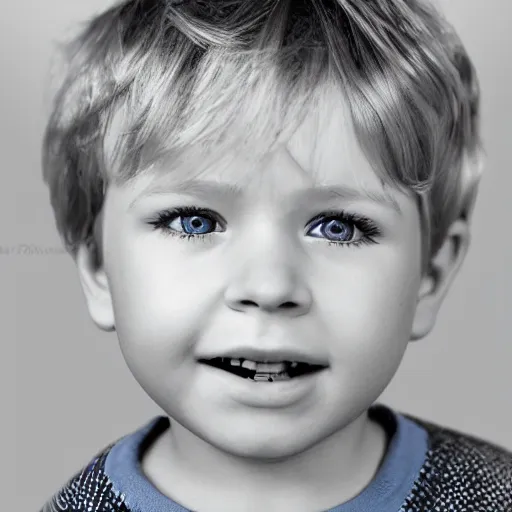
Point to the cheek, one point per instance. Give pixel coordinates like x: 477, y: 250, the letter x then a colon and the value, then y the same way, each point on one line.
x: 159, y: 299
x: 374, y: 308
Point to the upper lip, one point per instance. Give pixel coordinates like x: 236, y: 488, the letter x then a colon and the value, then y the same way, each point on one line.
x: 275, y: 355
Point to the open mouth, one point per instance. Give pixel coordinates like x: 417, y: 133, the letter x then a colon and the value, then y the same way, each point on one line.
x: 261, y: 371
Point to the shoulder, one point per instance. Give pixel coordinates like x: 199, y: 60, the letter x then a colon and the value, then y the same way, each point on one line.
x: 461, y: 471
x: 88, y: 487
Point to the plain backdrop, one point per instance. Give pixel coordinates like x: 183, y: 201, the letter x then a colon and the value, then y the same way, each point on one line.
x: 70, y: 391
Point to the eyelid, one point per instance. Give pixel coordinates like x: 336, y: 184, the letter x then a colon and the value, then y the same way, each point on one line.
x: 190, y: 211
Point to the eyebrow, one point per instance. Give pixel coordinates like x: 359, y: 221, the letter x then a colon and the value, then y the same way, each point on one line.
x: 206, y: 189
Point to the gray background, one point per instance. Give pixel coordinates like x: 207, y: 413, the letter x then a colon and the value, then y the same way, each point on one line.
x: 73, y: 391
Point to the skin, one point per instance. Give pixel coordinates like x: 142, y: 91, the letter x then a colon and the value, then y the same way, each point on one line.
x: 171, y: 299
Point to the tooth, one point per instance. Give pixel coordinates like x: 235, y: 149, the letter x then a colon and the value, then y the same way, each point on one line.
x: 234, y: 362
x: 280, y: 377
x: 262, y: 376
x: 270, y: 367
x: 251, y: 365
x: 294, y: 364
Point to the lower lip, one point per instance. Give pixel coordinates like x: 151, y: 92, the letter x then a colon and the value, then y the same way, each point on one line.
x: 263, y: 394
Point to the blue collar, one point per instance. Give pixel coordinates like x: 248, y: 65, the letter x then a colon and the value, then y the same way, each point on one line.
x: 407, y: 449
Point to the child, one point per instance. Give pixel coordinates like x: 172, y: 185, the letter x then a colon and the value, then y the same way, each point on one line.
x: 267, y: 201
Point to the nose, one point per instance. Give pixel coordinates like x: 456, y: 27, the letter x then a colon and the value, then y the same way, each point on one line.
x: 269, y: 277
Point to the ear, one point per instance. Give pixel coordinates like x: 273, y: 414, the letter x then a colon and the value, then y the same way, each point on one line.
x: 436, y: 283
x: 95, y: 287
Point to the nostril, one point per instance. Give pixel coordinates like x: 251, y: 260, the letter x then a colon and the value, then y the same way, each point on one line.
x: 248, y: 303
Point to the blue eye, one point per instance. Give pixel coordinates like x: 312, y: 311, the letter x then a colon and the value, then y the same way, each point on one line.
x: 338, y: 227
x: 196, y: 222
x: 193, y: 223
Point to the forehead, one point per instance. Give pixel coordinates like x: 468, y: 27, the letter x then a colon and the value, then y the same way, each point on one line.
x: 326, y: 147
x: 323, y: 145
x: 322, y: 150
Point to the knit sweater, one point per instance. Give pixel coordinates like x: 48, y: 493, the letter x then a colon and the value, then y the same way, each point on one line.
x: 427, y: 468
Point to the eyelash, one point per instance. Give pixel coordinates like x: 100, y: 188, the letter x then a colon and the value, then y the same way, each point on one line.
x: 367, y: 227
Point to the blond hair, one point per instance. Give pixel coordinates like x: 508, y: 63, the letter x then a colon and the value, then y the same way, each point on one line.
x: 227, y: 74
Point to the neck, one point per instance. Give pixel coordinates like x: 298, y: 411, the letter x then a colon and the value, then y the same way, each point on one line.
x: 200, y: 477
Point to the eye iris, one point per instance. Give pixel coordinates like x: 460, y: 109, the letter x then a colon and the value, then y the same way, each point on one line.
x: 196, y: 222
x: 337, y: 227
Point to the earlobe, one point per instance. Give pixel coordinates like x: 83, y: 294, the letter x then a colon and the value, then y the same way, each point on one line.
x: 96, y: 288
x: 435, y: 285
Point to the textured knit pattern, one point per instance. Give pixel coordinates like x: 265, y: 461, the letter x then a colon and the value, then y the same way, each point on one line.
x: 461, y: 473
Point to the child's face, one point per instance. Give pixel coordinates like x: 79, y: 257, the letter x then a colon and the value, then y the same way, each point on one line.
x: 265, y: 279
